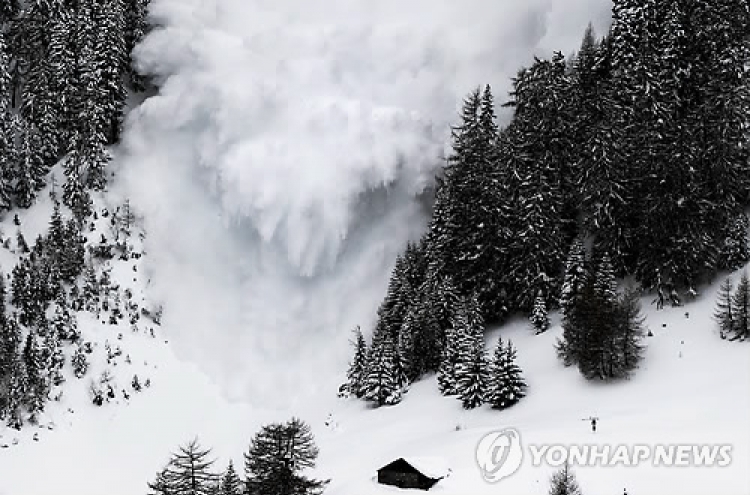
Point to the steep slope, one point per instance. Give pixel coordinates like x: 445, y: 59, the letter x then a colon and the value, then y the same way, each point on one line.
x: 281, y: 165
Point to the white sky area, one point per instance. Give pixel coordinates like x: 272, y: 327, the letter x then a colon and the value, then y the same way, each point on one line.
x: 279, y: 166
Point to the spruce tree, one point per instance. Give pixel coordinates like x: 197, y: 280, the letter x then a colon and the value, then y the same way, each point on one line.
x: 539, y: 318
x: 230, y: 482
x: 506, y: 385
x: 575, y: 275
x: 64, y: 321
x: 724, y: 314
x: 381, y: 381
x: 277, y: 455
x: 189, y: 471
x: 35, y: 373
x: 7, y: 134
x: 537, y: 147
x: 742, y: 308
x: 564, y: 482
x: 358, y: 367
x: 29, y: 165
x: 10, y: 341
x: 447, y: 372
x: 471, y: 366
x: 735, y: 252
x: 421, y: 339
x: 463, y: 243
x: 630, y: 333
x: 605, y: 282
x: 75, y: 196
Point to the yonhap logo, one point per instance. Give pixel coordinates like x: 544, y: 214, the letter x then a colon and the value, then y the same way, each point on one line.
x: 499, y: 454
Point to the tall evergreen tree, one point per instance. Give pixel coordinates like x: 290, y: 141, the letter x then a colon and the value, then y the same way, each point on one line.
x: 230, y: 482
x: 538, y: 148
x: 630, y: 332
x: 564, y: 482
x: 471, y: 367
x: 463, y: 240
x: 277, y: 456
x: 575, y: 275
x: 506, y: 385
x: 539, y: 318
x: 742, y: 308
x: 358, y: 366
x: 7, y: 139
x: 724, y: 314
x: 189, y: 471
x: 381, y: 381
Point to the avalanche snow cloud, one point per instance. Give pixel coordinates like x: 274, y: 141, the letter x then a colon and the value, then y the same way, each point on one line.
x: 286, y: 159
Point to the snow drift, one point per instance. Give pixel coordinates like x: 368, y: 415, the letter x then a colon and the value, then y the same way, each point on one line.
x: 281, y: 165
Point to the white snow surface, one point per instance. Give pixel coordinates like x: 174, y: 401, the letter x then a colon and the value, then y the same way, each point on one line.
x: 692, y: 388
x: 280, y: 166
x: 278, y: 172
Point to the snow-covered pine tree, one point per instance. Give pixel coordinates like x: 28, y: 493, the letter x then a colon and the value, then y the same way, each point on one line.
x: 61, y: 59
x: 421, y: 346
x: 10, y: 341
x: 564, y: 482
x: 230, y: 482
x: 64, y: 322
x: 575, y: 275
x: 79, y: 362
x: 506, y: 385
x: 460, y: 322
x: 630, y: 333
x: 7, y: 140
x: 23, y: 246
x: 52, y: 358
x: 189, y: 471
x: 735, y: 252
x: 471, y: 367
x: 539, y: 318
x: 16, y: 395
x: 538, y: 147
x: 160, y: 486
x: 358, y: 366
x: 56, y: 231
x: 724, y: 313
x: 605, y: 282
x: 28, y: 164
x: 35, y: 374
x: 277, y: 455
x: 39, y: 102
x: 73, y: 254
x: 463, y: 240
x: 741, y: 301
x: 381, y: 381
x: 75, y: 195
x: 106, y: 67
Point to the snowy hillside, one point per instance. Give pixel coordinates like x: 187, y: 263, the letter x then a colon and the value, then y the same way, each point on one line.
x: 284, y: 162
x: 692, y: 389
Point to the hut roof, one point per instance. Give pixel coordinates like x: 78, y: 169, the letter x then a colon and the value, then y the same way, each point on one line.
x: 432, y: 467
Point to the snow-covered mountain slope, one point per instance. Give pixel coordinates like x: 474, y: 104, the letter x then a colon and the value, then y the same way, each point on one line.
x: 278, y: 172
x: 281, y: 164
x: 691, y: 389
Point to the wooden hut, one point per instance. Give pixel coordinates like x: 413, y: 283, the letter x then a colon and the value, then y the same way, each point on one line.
x: 419, y: 473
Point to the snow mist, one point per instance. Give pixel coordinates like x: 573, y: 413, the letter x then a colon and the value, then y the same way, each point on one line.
x: 284, y: 163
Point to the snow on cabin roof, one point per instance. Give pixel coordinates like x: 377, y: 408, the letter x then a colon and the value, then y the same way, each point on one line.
x: 432, y: 467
